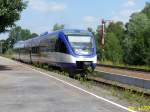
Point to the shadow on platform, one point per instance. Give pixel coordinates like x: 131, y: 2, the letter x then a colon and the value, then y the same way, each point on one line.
x: 3, y: 67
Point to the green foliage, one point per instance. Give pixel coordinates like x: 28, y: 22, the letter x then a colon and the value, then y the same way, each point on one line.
x: 16, y: 34
x: 91, y: 30
x: 10, y: 12
x: 9, y: 53
x: 136, y: 43
x: 97, y: 40
x: 146, y: 10
x: 118, y: 29
x: 113, y: 50
x: 129, y: 43
x: 33, y: 35
x: 58, y: 26
x: 113, y: 43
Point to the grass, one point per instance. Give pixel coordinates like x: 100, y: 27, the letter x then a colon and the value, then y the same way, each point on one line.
x: 144, y: 67
x: 7, y: 56
x: 131, y: 96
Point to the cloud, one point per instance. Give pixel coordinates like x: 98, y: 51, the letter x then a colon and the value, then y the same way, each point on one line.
x: 125, y: 12
x: 46, y: 6
x: 89, y: 19
x: 124, y: 15
x: 130, y: 3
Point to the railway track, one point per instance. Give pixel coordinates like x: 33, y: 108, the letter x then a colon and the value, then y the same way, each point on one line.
x: 124, y: 78
x: 118, y: 85
x: 125, y: 68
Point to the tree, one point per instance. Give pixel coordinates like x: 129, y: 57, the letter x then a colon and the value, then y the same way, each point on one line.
x: 129, y: 43
x: 147, y: 46
x: 58, y: 26
x: 33, y: 35
x: 146, y: 10
x: 113, y: 49
x: 113, y: 43
x: 137, y: 40
x: 10, y: 12
x: 118, y: 29
x: 91, y: 30
x: 16, y: 34
x: 97, y: 39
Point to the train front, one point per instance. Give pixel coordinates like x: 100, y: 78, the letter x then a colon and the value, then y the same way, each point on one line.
x: 83, y: 50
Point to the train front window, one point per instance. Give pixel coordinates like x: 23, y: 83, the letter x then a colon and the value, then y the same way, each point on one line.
x: 81, y: 45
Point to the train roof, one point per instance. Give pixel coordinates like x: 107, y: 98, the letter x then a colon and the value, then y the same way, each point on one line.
x: 75, y: 31
x: 37, y: 39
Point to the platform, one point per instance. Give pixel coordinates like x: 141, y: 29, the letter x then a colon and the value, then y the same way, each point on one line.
x: 23, y: 89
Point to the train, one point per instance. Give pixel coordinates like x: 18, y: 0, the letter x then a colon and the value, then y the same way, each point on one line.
x: 70, y: 49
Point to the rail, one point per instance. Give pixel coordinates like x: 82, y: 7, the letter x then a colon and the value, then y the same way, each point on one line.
x: 125, y: 68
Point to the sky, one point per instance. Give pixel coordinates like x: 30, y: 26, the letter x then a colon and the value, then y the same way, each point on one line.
x: 41, y: 15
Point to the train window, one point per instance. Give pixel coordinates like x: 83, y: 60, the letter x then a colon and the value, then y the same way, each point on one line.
x: 35, y: 49
x: 60, y: 46
x: 52, y: 42
x: 44, y: 49
x: 63, y: 48
x: 48, y: 44
x: 57, y: 46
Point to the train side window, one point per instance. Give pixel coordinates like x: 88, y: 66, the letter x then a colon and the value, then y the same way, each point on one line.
x: 60, y: 46
x: 63, y: 48
x: 52, y: 42
x: 44, y: 49
x: 57, y: 46
x: 48, y: 44
x: 35, y: 49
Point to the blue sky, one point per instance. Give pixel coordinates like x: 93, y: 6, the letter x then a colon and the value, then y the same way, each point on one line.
x: 41, y: 15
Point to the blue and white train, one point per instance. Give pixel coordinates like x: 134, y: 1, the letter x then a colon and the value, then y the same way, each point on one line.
x: 72, y: 50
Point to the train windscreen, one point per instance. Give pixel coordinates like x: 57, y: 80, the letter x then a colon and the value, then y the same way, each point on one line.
x: 81, y: 45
